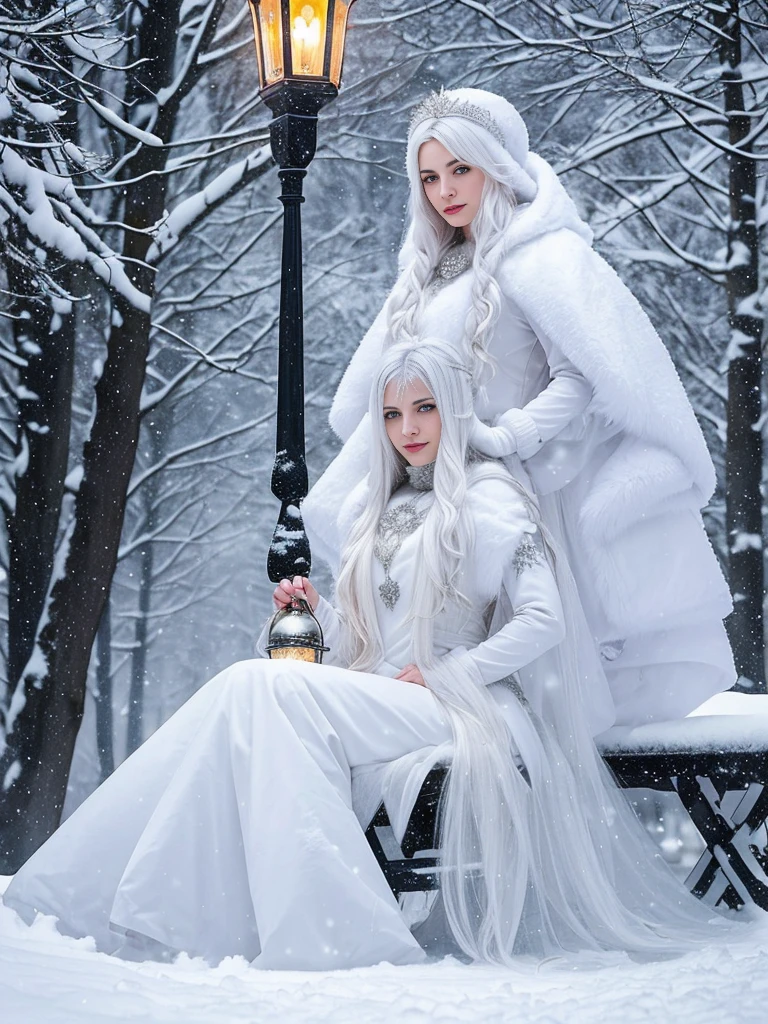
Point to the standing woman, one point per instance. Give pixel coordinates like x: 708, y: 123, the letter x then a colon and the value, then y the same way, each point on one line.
x: 574, y: 389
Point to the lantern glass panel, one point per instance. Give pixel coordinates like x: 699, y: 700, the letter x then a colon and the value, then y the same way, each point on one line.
x: 268, y: 28
x: 295, y: 654
x: 309, y: 24
x: 257, y: 37
x: 340, y: 13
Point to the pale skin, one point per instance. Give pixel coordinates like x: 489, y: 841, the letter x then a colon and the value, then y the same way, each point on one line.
x: 454, y: 188
x: 413, y: 426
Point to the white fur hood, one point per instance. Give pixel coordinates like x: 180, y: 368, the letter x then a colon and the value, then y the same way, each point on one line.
x: 551, y: 210
x: 571, y: 295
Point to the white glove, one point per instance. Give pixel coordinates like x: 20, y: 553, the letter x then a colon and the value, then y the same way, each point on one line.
x: 494, y: 441
x: 513, y: 432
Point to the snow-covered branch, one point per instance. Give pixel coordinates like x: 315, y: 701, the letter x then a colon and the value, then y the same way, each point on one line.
x: 190, y: 211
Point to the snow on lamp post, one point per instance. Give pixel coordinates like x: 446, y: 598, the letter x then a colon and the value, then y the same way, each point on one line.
x: 300, y: 49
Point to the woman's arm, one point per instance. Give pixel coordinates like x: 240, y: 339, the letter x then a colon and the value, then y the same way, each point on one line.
x: 563, y: 400
x: 559, y: 406
x: 537, y: 623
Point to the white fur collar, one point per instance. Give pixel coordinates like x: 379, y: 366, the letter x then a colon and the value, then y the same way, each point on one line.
x: 551, y: 209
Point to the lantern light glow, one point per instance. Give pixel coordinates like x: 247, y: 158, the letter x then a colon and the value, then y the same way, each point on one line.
x: 299, y: 40
x: 306, y: 47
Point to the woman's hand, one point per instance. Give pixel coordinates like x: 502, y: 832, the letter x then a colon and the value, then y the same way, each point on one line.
x: 494, y: 441
x: 410, y: 674
x: 287, y: 591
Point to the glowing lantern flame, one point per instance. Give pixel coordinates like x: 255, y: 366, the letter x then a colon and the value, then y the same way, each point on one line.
x: 306, y: 34
x: 300, y: 39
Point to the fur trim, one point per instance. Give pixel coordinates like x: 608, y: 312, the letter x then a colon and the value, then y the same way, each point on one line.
x: 601, y: 328
x: 350, y: 403
x: 524, y: 430
x: 633, y: 484
x: 500, y: 520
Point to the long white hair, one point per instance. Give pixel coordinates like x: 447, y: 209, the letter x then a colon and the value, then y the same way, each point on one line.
x: 447, y: 536
x: 430, y: 237
x: 484, y: 777
x: 544, y: 860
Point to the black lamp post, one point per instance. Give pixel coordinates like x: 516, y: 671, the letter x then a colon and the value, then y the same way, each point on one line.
x: 300, y: 49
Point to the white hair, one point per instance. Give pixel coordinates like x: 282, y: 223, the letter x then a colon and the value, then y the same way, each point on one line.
x: 447, y: 534
x: 506, y: 884
x: 430, y: 236
x: 484, y: 775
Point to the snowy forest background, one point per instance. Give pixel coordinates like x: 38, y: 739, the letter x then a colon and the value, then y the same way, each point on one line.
x: 139, y: 282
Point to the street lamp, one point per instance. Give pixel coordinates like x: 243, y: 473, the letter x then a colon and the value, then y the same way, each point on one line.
x: 300, y: 49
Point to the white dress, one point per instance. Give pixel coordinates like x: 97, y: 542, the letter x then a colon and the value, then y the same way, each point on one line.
x: 232, y: 829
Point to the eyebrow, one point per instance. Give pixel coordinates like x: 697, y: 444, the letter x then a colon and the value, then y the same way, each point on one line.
x: 427, y: 170
x: 418, y: 401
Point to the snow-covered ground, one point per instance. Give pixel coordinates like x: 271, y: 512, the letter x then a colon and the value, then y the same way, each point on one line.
x: 48, y: 979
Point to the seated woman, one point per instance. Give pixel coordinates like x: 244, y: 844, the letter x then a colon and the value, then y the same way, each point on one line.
x: 232, y: 830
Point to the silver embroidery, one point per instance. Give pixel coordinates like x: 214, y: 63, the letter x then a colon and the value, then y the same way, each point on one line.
x: 526, y: 555
x: 421, y: 478
x: 395, y: 525
x: 454, y: 262
x: 511, y: 683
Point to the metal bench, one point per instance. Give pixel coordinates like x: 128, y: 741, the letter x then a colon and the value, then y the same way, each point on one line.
x: 718, y: 766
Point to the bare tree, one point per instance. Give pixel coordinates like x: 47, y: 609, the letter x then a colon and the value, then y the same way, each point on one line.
x: 163, y: 58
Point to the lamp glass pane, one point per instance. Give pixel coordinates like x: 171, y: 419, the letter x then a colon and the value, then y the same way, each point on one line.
x: 309, y: 23
x: 257, y: 37
x: 293, y: 654
x: 270, y: 32
x: 341, y: 10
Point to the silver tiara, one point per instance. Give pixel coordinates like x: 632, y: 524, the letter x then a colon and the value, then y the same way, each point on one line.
x: 440, y: 104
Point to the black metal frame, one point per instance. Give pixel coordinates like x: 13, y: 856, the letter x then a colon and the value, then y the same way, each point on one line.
x: 295, y: 102
x: 293, y: 138
x: 726, y: 795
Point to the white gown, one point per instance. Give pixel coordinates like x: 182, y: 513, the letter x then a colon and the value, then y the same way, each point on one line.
x: 232, y: 829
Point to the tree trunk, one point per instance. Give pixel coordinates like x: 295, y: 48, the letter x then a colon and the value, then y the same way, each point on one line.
x: 743, y: 463
x: 48, y: 706
x: 103, y: 695
x: 135, y: 732
x: 46, y: 340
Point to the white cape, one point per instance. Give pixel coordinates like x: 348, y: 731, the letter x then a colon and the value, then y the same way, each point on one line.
x: 627, y: 509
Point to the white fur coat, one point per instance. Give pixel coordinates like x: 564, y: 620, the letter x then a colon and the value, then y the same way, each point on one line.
x: 627, y: 508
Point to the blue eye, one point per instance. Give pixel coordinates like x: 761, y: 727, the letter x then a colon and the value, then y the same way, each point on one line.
x: 427, y: 407
x: 462, y: 170
x: 429, y: 179
x: 391, y: 414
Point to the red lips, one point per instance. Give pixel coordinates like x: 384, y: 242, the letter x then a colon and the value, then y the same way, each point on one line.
x: 454, y: 209
x: 416, y: 446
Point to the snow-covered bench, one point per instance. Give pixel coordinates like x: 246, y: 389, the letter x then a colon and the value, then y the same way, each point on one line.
x: 718, y: 766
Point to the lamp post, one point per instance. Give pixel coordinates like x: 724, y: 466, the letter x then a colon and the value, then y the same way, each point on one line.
x: 300, y: 49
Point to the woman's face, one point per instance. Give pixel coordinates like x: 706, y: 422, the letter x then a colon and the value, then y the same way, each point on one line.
x: 412, y: 421
x: 453, y: 188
